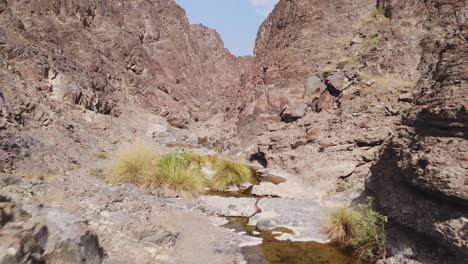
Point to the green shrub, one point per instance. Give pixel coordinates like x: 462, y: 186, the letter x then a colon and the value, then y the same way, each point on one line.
x: 102, y: 155
x: 359, y: 227
x: 133, y: 164
x: 370, y: 232
x: 229, y: 173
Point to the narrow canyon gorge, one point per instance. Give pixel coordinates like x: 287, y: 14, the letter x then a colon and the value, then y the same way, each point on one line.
x: 343, y: 101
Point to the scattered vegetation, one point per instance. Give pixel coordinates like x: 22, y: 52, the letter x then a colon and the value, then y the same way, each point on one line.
x: 383, y: 86
x: 102, y: 155
x: 180, y: 170
x: 229, y: 173
x: 360, y: 228
x: 198, y: 158
x: 332, y: 65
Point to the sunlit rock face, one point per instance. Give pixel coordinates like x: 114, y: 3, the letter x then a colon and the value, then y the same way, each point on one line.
x: 105, y: 54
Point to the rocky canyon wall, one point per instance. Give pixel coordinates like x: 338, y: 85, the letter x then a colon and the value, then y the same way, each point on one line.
x: 420, y: 179
x: 343, y: 90
x: 105, y: 58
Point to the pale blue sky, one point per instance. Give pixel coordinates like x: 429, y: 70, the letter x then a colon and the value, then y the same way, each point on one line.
x: 236, y: 20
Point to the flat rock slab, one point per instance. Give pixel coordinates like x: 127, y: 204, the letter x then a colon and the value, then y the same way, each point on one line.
x: 233, y: 242
x: 271, y: 189
x: 227, y: 206
x: 304, y: 217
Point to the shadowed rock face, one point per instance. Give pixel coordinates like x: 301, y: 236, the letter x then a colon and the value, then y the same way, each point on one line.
x: 420, y: 180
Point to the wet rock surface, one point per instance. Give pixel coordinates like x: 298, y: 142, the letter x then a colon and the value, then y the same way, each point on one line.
x: 304, y: 217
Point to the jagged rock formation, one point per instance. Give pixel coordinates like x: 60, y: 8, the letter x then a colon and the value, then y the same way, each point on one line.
x: 421, y: 177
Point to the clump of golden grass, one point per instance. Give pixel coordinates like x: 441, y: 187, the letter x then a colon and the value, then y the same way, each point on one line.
x: 375, y: 40
x: 198, y: 158
x: 175, y: 171
x: 359, y: 227
x: 134, y: 164
x: 340, y: 226
x: 228, y: 172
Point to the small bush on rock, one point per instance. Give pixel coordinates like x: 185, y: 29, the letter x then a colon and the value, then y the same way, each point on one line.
x: 359, y: 227
x: 340, y: 227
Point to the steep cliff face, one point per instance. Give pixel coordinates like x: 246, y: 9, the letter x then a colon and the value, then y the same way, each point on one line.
x: 421, y: 177
x: 329, y: 81
x: 141, y: 49
x: 106, y: 58
x: 298, y: 38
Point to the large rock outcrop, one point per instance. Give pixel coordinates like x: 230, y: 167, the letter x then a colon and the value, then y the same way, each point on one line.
x: 420, y: 180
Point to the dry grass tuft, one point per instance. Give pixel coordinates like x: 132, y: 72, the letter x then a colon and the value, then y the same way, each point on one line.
x: 359, y: 227
x: 340, y: 226
x: 180, y: 170
x: 229, y: 173
x: 175, y: 171
x: 133, y: 165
